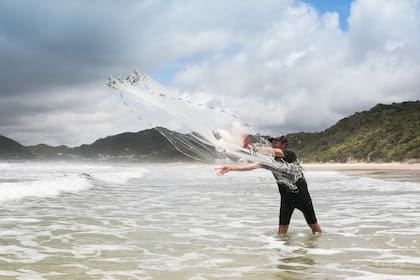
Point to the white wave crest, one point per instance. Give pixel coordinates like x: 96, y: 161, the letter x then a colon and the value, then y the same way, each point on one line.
x: 45, y: 187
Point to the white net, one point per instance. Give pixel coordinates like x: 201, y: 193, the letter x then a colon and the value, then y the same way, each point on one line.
x: 211, y: 134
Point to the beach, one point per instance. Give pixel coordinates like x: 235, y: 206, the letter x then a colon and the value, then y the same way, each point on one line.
x: 391, y: 171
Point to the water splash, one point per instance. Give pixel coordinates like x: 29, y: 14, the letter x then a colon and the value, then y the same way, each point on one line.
x: 214, y: 135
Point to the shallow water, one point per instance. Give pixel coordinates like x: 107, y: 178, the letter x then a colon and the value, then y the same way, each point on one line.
x: 99, y: 221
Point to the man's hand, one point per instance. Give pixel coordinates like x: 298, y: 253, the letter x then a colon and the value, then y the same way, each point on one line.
x: 237, y: 167
x: 223, y: 170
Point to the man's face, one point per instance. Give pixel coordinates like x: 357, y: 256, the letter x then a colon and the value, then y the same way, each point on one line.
x: 278, y: 144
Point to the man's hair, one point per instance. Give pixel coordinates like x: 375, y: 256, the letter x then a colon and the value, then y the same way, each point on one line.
x: 283, y: 140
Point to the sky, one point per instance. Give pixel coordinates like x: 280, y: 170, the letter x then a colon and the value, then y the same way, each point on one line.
x: 281, y: 65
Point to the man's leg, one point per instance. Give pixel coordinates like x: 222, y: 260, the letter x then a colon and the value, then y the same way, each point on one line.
x: 310, y: 217
x: 283, y: 229
x: 286, y: 212
x: 315, y: 228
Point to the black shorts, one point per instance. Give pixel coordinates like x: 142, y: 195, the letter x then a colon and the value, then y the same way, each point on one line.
x: 287, y: 206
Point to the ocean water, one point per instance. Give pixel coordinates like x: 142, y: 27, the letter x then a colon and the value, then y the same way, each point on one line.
x: 115, y: 221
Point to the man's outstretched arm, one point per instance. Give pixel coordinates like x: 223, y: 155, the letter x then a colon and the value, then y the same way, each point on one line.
x: 238, y: 167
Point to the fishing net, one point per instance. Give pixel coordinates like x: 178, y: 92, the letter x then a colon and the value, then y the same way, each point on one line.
x: 204, y: 132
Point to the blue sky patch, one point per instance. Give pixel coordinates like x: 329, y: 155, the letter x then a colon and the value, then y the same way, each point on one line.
x: 342, y: 7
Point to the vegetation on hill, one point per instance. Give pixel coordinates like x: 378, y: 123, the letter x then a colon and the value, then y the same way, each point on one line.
x: 10, y: 149
x: 384, y: 133
x: 147, y: 144
x: 44, y: 151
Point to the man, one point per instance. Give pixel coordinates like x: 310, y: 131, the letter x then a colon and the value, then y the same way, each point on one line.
x: 289, y: 200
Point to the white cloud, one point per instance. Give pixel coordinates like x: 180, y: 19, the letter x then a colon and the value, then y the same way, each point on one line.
x: 70, y: 116
x: 311, y: 72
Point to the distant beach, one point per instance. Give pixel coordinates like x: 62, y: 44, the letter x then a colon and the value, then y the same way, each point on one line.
x: 394, y: 171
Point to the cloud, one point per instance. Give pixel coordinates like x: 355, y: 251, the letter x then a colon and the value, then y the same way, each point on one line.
x: 311, y: 72
x: 280, y: 65
x: 70, y: 116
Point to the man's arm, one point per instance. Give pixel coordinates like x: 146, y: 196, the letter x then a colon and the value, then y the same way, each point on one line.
x: 239, y: 167
x: 276, y: 151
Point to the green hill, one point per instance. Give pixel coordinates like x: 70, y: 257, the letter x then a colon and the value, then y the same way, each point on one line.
x: 43, y: 151
x: 10, y: 149
x: 147, y: 145
x: 384, y: 133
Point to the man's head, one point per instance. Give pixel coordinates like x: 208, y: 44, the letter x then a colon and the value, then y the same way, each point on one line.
x: 279, y: 142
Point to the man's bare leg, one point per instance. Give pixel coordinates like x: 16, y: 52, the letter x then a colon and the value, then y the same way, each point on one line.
x: 283, y: 229
x: 315, y: 228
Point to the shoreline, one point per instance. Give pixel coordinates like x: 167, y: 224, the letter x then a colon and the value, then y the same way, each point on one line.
x: 408, y: 172
x: 361, y: 166
x: 396, y: 171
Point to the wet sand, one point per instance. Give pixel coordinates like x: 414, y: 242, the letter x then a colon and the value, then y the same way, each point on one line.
x: 393, y: 171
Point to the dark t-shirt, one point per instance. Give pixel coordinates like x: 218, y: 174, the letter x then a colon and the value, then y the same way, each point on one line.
x: 290, y: 156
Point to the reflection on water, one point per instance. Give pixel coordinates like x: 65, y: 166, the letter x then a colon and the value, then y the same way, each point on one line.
x: 293, y: 264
